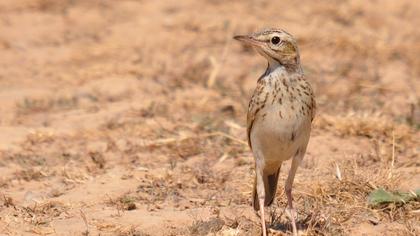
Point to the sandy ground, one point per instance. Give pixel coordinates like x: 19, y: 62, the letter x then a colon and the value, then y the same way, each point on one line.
x: 128, y: 117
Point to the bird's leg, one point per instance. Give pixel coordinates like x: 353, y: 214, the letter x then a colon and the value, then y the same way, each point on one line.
x: 288, y: 189
x: 264, y: 229
x: 291, y: 212
x: 261, y: 195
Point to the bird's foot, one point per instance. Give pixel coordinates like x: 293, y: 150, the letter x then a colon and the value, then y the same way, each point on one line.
x: 292, y: 214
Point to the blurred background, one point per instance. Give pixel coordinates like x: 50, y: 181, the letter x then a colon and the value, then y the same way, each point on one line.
x: 128, y: 117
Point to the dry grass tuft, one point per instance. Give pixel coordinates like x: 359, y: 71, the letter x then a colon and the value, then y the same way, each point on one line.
x: 32, y: 174
x: 37, y: 105
x: 8, y: 201
x: 126, y: 202
x: 130, y: 231
x: 210, y: 226
x: 364, y: 124
x: 332, y: 206
x: 43, y: 213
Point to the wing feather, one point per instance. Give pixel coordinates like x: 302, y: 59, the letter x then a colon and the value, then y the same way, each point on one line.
x: 255, y: 105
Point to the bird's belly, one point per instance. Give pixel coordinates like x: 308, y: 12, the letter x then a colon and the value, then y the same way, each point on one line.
x: 279, y: 137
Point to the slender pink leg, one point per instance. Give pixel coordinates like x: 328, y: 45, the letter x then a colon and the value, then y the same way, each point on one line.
x: 288, y: 189
x: 264, y: 229
x: 261, y: 191
x: 291, y: 211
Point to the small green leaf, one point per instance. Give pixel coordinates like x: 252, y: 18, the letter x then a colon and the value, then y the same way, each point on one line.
x: 381, y: 196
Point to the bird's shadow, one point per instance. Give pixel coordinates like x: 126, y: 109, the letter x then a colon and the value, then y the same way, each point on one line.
x: 279, y: 222
x: 286, y: 226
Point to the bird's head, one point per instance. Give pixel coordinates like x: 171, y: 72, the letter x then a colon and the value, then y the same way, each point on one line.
x: 276, y: 45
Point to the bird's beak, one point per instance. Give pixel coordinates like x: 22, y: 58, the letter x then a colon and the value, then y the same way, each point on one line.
x: 248, y: 40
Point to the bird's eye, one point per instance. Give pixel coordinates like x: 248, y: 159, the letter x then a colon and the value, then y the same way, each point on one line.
x: 275, y: 40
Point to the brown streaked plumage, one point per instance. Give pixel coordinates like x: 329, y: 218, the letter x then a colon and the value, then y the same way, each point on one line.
x: 279, y: 116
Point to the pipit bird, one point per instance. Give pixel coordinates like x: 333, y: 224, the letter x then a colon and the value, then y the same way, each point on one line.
x: 279, y: 117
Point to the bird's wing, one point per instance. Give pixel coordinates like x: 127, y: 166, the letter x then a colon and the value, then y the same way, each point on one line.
x: 313, y: 106
x: 255, y: 105
x: 250, y: 121
x: 313, y: 102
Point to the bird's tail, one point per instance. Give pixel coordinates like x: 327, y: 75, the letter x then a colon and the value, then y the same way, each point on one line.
x: 270, y: 179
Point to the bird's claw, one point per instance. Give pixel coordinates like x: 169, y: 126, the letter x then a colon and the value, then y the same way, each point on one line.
x: 291, y: 213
